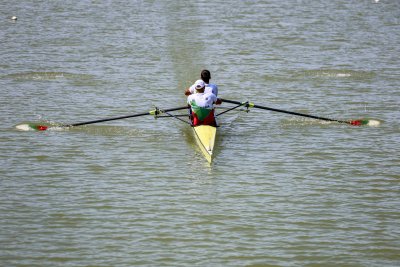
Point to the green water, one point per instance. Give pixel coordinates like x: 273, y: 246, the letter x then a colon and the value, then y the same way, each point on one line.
x: 282, y: 190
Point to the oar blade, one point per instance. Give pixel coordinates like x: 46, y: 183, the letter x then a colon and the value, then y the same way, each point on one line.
x: 41, y: 127
x: 365, y: 122
x: 357, y: 122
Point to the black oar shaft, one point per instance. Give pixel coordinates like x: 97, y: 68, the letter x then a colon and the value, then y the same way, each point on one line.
x: 107, y: 119
x: 285, y: 111
x: 125, y: 117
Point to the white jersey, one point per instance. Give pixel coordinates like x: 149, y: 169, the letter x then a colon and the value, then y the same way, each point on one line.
x: 202, y: 100
x: 210, y: 88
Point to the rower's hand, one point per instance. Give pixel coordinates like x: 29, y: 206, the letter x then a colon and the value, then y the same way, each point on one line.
x: 187, y: 92
x: 218, y: 102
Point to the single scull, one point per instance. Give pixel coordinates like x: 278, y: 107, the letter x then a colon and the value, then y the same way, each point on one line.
x: 205, y: 135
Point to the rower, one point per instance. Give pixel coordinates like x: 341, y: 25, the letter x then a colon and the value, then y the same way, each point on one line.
x: 210, y: 87
x: 202, y: 105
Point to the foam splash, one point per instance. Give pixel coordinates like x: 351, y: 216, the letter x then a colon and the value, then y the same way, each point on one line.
x: 24, y: 127
x: 373, y: 123
x: 343, y: 75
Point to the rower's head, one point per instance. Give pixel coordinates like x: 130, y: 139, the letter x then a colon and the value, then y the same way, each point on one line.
x: 205, y: 76
x: 199, y: 85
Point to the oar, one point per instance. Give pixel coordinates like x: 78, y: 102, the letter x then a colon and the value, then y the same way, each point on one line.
x: 351, y: 122
x: 154, y: 112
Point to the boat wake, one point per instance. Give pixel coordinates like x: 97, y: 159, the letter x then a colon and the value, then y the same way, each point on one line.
x: 338, y: 73
x: 47, y: 76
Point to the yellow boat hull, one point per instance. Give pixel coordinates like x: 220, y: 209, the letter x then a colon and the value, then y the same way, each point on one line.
x: 205, y: 138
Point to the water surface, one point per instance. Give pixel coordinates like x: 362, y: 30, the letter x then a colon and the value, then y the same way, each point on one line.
x: 282, y: 190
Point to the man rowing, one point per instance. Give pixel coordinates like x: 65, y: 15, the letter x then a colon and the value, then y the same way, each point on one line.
x: 202, y: 105
x: 210, y: 87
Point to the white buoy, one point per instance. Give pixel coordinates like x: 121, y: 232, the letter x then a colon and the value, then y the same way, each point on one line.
x: 14, y: 18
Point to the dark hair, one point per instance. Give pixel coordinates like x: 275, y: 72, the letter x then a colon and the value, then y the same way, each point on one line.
x: 205, y: 76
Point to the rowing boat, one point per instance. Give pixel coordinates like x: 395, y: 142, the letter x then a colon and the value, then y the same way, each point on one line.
x: 205, y: 138
x: 205, y: 135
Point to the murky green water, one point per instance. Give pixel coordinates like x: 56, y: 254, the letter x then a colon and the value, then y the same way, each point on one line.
x: 282, y: 191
